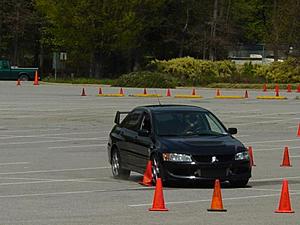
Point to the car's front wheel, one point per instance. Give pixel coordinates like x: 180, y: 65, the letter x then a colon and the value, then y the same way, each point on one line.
x: 116, y: 166
x: 239, y: 183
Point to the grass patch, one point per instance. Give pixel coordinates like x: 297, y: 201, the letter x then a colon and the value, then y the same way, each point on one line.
x: 248, y: 86
x: 154, y: 80
x: 80, y: 81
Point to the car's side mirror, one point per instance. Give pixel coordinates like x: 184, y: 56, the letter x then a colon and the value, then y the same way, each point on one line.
x: 143, y: 133
x: 232, y: 130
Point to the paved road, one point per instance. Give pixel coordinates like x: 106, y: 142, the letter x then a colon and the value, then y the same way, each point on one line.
x: 54, y: 170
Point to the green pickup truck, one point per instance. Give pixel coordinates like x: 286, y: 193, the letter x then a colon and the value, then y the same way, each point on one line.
x: 8, y: 72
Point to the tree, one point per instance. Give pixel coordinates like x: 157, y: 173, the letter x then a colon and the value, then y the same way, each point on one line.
x: 17, y: 33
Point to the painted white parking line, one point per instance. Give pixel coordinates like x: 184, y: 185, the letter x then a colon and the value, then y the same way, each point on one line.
x: 239, y: 136
x: 295, y: 156
x: 273, y: 141
x: 70, y: 192
x: 224, y: 199
x: 21, y: 178
x: 29, y: 130
x: 264, y: 122
x: 294, y: 192
x: 238, y: 111
x: 48, y: 135
x: 42, y: 181
x: 265, y: 189
x: 268, y: 114
x: 38, y: 182
x: 51, y: 194
x: 78, y: 146
x: 54, y: 141
x: 13, y: 163
x: 273, y: 149
x: 273, y: 179
x: 53, y: 171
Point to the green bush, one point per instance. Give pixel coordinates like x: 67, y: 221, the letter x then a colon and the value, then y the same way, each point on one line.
x: 187, y: 70
x: 146, y: 79
x: 287, y: 71
x: 227, y: 71
x: 190, y: 71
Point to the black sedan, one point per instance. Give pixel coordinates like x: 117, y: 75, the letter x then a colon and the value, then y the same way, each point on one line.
x: 183, y: 143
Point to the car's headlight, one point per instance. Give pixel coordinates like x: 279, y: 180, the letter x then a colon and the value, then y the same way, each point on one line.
x: 175, y: 157
x: 242, y: 156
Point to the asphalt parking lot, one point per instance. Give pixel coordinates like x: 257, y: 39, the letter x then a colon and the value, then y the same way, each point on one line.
x: 54, y: 168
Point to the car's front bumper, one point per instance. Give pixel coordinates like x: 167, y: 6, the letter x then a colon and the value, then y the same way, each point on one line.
x: 234, y: 170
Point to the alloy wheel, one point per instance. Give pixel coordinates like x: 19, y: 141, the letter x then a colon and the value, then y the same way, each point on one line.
x: 115, y: 164
x: 155, y: 169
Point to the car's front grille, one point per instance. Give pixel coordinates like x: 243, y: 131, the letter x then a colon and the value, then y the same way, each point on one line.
x: 209, y: 158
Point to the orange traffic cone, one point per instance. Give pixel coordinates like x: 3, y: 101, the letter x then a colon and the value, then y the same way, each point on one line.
x: 158, y: 200
x: 250, y: 150
x: 286, y: 158
x: 145, y: 91
x: 83, y: 92
x: 298, y: 134
x: 168, y: 94
x: 246, y: 94
x: 100, y: 91
x: 218, y: 93
x: 265, y: 88
x: 193, y: 91
x: 284, y: 202
x: 277, y: 90
x: 121, y: 91
x: 289, y: 88
x: 298, y: 88
x: 147, y: 178
x: 36, y: 78
x: 216, y: 203
x: 18, y: 82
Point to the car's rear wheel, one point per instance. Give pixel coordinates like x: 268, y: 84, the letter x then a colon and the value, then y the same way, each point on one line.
x: 24, y: 77
x: 116, y: 166
x: 239, y: 183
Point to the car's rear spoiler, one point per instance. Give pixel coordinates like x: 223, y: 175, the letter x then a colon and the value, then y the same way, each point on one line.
x: 118, y: 116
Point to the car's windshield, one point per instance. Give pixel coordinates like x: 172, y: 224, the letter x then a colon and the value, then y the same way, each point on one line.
x: 187, y: 123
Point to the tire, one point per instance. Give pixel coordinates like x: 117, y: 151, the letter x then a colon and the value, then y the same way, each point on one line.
x: 239, y: 183
x: 24, y: 77
x: 116, y: 167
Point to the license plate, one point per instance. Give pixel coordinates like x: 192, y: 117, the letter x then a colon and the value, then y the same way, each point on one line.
x: 214, y: 173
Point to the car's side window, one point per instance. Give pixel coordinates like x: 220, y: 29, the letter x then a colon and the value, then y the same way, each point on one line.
x: 146, y: 123
x: 131, y: 121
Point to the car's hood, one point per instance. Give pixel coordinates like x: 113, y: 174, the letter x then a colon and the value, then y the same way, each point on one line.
x: 201, y: 145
